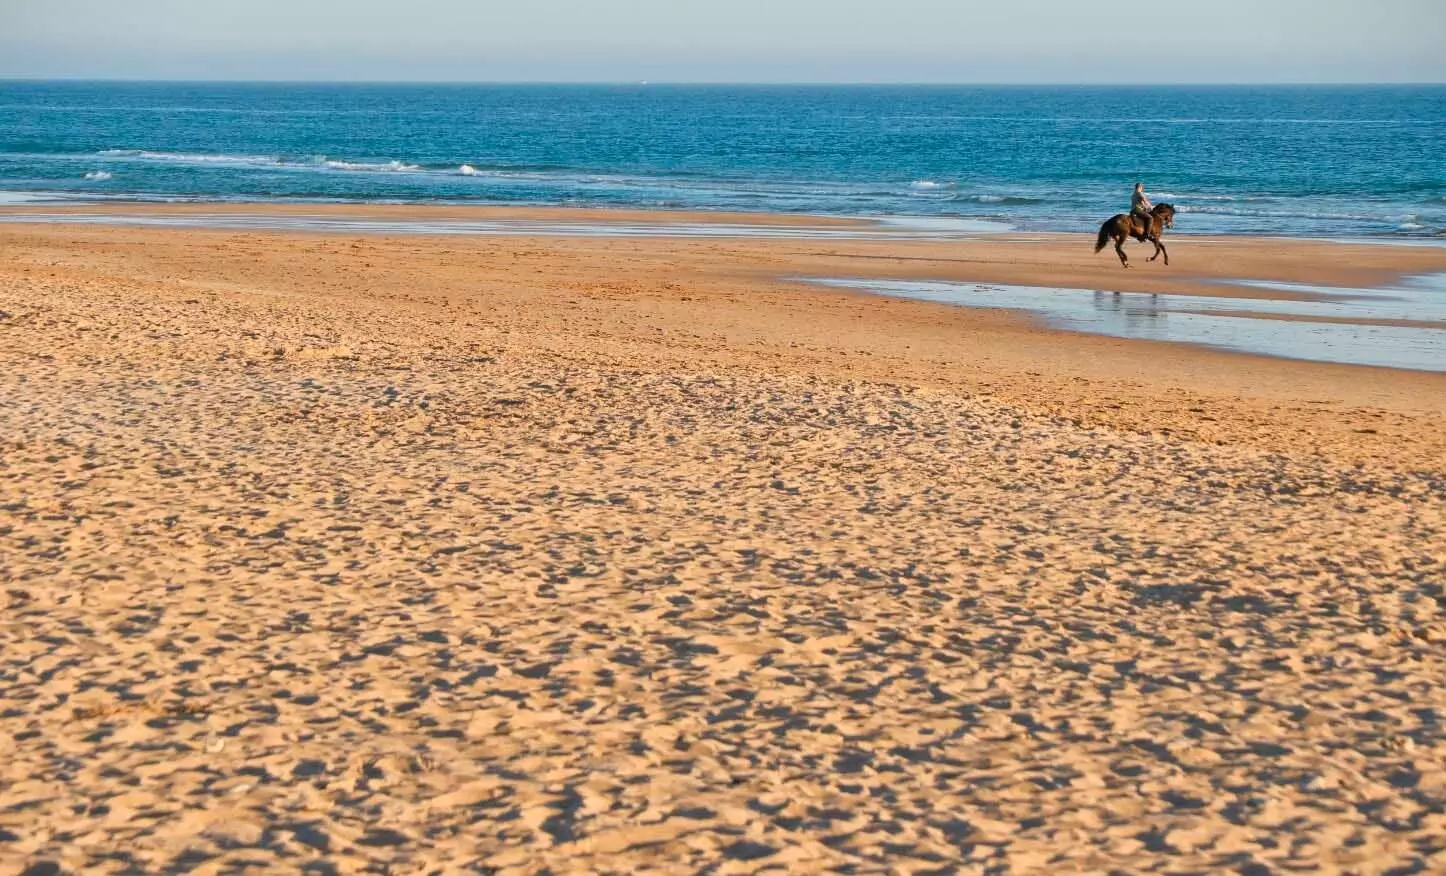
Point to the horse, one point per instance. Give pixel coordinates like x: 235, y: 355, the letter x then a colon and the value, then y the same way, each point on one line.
x: 1123, y: 225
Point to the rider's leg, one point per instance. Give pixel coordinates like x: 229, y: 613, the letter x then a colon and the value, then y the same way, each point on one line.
x: 1144, y: 220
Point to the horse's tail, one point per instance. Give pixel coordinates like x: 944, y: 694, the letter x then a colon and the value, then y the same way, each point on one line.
x: 1104, y: 237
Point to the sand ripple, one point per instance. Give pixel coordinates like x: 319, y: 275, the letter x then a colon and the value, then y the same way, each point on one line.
x: 288, y: 586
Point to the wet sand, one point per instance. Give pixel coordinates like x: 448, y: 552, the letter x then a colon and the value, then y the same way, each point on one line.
x: 404, y: 554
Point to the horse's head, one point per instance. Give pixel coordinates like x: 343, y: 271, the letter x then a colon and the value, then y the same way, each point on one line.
x: 1166, y: 214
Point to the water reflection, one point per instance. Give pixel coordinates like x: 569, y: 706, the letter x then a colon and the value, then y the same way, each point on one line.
x: 1135, y: 312
x: 1247, y: 325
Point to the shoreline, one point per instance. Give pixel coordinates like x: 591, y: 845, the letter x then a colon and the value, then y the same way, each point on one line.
x: 767, y: 268
x: 862, y: 243
x: 424, y: 210
x: 419, y: 211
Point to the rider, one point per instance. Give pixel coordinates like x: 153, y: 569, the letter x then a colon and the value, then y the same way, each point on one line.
x: 1140, y: 206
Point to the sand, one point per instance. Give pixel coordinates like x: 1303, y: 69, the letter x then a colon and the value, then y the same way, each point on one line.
x: 369, y: 554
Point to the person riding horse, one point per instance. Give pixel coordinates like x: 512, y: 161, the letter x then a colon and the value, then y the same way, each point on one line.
x: 1140, y: 208
x: 1145, y: 221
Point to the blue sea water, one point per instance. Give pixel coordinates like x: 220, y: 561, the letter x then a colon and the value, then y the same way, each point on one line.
x: 1305, y: 161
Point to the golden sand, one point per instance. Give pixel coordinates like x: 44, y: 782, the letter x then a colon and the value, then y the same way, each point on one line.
x: 422, y: 554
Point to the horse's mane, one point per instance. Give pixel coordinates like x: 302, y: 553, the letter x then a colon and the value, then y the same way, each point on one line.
x: 1163, y: 206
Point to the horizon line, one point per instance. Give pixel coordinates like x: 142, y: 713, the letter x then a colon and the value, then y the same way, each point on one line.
x: 736, y: 83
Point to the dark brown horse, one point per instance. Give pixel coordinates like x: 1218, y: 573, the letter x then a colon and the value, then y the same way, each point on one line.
x: 1123, y: 225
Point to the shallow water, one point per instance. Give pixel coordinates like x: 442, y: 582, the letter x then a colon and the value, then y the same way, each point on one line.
x: 913, y: 228
x: 1247, y: 325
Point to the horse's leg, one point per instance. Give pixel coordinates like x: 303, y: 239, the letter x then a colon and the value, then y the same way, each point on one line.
x: 1158, y: 248
x: 1119, y: 248
x: 1164, y: 252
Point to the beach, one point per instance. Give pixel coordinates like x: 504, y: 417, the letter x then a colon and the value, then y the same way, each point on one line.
x: 454, y: 553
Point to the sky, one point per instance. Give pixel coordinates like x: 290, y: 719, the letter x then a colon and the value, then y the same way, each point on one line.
x: 935, y: 41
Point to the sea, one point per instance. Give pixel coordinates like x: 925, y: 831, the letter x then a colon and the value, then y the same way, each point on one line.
x: 1313, y: 161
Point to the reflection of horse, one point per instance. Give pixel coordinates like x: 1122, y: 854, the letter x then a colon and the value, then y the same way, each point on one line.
x: 1123, y: 225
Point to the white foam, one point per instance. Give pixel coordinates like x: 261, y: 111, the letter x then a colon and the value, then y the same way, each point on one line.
x: 1175, y: 196
x: 261, y: 161
x: 372, y: 167
x: 467, y: 170
x: 98, y: 175
x: 1280, y: 214
x: 926, y: 185
x: 193, y: 157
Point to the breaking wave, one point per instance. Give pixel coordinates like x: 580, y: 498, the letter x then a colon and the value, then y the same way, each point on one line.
x: 319, y: 161
x: 1287, y: 213
x: 191, y: 157
x: 372, y: 167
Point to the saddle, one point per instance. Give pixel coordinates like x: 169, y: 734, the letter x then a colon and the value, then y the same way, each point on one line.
x: 1140, y: 226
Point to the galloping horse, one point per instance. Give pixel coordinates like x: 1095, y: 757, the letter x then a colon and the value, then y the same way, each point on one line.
x: 1123, y: 225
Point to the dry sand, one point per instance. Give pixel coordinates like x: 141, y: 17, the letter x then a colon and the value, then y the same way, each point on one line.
x: 367, y: 554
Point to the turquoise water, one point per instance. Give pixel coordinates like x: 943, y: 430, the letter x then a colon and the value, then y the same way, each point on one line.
x: 1317, y: 161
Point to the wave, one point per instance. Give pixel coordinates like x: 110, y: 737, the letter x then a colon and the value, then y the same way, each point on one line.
x: 430, y: 177
x: 323, y: 162
x: 1003, y: 200
x: 989, y: 198
x: 1174, y: 197
x: 192, y: 157
x: 205, y: 158
x: 1281, y: 214
x: 523, y: 171
x: 944, y: 191
x: 553, y: 175
x: 1403, y: 222
x: 371, y: 167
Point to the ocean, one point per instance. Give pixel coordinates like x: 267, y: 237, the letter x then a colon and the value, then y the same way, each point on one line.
x: 1297, y: 161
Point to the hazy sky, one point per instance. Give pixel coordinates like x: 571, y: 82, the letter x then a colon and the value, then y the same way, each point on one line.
x: 728, y: 40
